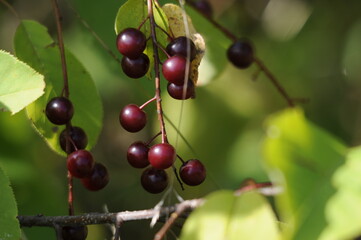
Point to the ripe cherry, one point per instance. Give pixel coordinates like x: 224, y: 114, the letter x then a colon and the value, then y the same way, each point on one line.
x: 137, y: 67
x: 179, y: 46
x: 192, y: 172
x: 98, y: 179
x: 240, y: 53
x: 80, y: 164
x: 204, y: 7
x: 154, y: 180
x: 131, y: 42
x: 132, y: 118
x: 177, y: 92
x: 174, y: 69
x: 59, y: 110
x: 78, y: 137
x: 162, y: 156
x: 137, y: 155
x: 74, y: 232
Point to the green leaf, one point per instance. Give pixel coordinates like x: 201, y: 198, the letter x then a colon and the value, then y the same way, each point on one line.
x: 343, y: 210
x: 132, y: 13
x: 226, y: 216
x: 10, y: 228
x: 20, y: 85
x: 302, y: 158
x: 34, y: 46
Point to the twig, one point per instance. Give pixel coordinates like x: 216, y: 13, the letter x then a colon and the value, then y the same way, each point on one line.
x: 105, y: 218
x: 157, y: 72
x: 177, y: 176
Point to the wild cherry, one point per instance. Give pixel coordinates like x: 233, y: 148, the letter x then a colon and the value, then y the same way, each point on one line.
x: 154, y: 180
x: 59, y: 110
x: 132, y: 118
x: 174, y: 69
x: 137, y: 155
x: 240, y: 53
x: 179, y: 46
x: 80, y: 164
x: 131, y: 42
x: 98, y: 179
x: 192, y: 172
x: 137, y: 67
x: 177, y: 92
x: 162, y: 156
x: 77, y: 136
x: 204, y: 7
x: 74, y: 232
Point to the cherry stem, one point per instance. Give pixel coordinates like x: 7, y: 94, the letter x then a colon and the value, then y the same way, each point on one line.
x: 163, y: 50
x: 166, y: 33
x: 177, y: 177
x: 12, y: 10
x: 273, y: 79
x: 152, y: 139
x: 147, y: 102
x: 157, y: 73
x: 142, y: 23
x: 58, y: 19
x: 70, y: 195
x: 180, y: 159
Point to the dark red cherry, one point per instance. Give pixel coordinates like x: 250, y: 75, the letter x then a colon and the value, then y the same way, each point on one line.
x: 80, y: 163
x: 177, y: 92
x: 131, y: 42
x: 74, y: 232
x: 174, y: 69
x: 59, y: 110
x: 154, y: 180
x: 137, y: 67
x: 137, y: 155
x: 77, y: 136
x: 162, y: 156
x: 240, y: 53
x: 98, y: 179
x: 132, y: 118
x: 192, y: 172
x: 179, y: 46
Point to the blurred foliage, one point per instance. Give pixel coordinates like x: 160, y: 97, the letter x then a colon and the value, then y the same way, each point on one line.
x: 319, y: 59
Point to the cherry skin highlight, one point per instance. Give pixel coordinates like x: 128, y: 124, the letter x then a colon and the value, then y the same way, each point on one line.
x: 132, y: 118
x: 59, y: 110
x: 80, y: 163
x: 137, y: 155
x: 131, y: 42
x: 192, y: 172
x: 162, y: 156
x: 154, y: 180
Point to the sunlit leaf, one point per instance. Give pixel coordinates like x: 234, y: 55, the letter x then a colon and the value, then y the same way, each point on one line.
x: 303, y: 158
x: 34, y: 46
x: 10, y: 229
x: 20, y: 85
x: 225, y: 216
x: 343, y: 211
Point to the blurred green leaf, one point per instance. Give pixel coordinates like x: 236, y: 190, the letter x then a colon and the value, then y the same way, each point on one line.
x: 34, y: 46
x: 10, y: 229
x: 343, y: 210
x: 226, y: 216
x: 20, y: 85
x: 305, y: 158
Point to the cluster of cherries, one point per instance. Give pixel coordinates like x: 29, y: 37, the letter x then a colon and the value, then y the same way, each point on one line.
x: 131, y: 43
x: 80, y: 163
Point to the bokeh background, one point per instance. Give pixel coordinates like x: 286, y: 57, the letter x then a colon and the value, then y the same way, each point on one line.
x: 312, y: 47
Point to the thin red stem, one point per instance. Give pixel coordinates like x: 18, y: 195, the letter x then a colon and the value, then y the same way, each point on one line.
x: 147, y: 102
x: 181, y: 159
x: 142, y: 23
x: 152, y: 139
x: 157, y: 72
x: 70, y: 195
